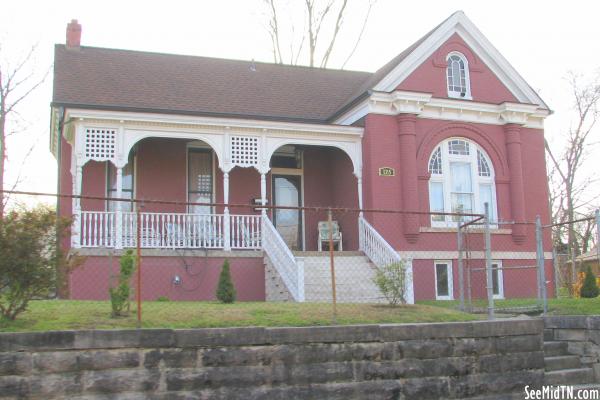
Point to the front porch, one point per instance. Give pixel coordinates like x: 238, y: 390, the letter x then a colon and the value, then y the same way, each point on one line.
x: 182, y: 185
x: 186, y: 201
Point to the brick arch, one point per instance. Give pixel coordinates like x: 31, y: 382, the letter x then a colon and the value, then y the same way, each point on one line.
x: 439, y: 57
x: 435, y: 136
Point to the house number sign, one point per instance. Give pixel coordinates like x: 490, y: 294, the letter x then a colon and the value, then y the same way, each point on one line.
x: 387, y: 171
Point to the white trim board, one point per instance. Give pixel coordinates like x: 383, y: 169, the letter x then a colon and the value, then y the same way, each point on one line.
x: 476, y: 255
x: 426, y: 106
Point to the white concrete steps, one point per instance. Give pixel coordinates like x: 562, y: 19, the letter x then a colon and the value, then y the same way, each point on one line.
x: 354, y: 275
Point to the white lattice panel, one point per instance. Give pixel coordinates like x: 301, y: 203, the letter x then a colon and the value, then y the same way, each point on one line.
x: 100, y: 144
x: 244, y: 151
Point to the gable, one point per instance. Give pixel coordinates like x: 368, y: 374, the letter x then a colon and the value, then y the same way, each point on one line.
x: 459, y: 26
x: 430, y: 76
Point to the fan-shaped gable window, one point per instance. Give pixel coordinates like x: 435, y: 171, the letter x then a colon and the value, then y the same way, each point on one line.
x: 462, y: 181
x: 457, y: 73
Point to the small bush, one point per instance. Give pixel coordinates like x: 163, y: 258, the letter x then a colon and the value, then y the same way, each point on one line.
x: 120, y: 295
x: 162, y: 298
x: 225, y: 288
x: 390, y: 280
x: 589, y: 289
x: 29, y: 257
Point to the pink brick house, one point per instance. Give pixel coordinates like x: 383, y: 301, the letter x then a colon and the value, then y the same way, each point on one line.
x: 449, y: 115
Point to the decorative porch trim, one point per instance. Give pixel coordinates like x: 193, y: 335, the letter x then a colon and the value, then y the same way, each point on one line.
x: 218, y: 134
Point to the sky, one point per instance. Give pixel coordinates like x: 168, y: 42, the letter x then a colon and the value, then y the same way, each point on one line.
x: 543, y: 40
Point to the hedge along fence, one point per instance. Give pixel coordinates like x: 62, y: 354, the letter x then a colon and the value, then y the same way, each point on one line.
x: 451, y: 360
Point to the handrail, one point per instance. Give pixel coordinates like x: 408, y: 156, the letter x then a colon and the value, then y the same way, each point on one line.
x: 290, y: 270
x: 381, y: 253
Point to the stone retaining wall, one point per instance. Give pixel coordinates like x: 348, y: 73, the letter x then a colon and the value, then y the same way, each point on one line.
x: 420, y: 361
x: 582, y: 334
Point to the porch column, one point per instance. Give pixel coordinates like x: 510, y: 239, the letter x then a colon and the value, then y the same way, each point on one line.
x: 226, y: 217
x: 360, y: 194
x: 408, y: 162
x: 119, y: 210
x: 515, y: 166
x: 263, y: 192
x: 76, y: 228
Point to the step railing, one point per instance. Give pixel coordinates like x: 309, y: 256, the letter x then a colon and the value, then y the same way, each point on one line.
x: 282, y: 259
x: 169, y: 230
x: 381, y: 253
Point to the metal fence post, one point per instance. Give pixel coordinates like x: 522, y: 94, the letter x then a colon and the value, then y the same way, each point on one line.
x: 332, y: 265
x: 488, y: 262
x: 139, y: 263
x: 461, y: 278
x: 542, y: 297
x: 598, y: 234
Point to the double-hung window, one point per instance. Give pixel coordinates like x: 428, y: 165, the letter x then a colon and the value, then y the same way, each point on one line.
x: 462, y: 181
x: 128, y: 185
x: 200, y: 180
x: 443, y: 280
x: 457, y: 74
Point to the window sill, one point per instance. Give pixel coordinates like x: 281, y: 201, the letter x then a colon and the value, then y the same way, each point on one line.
x: 440, y: 229
x: 459, y: 97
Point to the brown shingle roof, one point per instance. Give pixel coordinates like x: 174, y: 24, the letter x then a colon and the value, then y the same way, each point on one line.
x: 132, y: 80
x: 92, y: 77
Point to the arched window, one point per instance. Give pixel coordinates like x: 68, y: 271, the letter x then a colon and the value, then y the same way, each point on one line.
x: 457, y: 73
x: 462, y: 180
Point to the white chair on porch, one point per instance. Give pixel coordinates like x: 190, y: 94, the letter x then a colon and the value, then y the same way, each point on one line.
x: 323, y: 228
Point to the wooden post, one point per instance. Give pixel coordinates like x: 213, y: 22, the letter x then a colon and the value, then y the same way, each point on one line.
x: 332, y: 266
x: 226, y: 216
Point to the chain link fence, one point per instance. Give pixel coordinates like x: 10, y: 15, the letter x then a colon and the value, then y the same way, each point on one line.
x: 330, y: 264
x: 575, y: 249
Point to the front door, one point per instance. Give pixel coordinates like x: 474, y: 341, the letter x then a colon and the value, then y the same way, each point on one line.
x: 287, y: 191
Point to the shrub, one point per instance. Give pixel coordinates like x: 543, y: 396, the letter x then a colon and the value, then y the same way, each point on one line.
x: 390, y: 279
x: 29, y: 257
x: 162, y: 299
x: 225, y: 288
x: 589, y: 289
x: 120, y: 295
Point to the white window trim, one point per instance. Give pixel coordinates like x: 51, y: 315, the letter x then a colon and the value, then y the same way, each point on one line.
x: 134, y: 189
x: 204, y: 146
x: 450, y: 279
x: 456, y: 95
x: 476, y: 180
x: 498, y: 265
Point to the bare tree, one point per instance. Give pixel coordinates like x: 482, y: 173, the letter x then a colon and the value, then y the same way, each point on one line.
x: 567, y: 183
x: 17, y: 82
x: 323, y: 22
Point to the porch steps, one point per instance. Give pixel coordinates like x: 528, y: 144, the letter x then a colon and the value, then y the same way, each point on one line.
x: 354, y: 275
x: 563, y: 368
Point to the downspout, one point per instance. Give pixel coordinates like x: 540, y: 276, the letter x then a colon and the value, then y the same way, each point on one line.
x: 60, y: 127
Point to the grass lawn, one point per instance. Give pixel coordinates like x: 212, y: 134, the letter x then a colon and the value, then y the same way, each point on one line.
x: 71, y: 315
x: 560, y: 306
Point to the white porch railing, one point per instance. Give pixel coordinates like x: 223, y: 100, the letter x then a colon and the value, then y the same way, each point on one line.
x: 97, y: 229
x: 379, y: 251
x: 169, y: 230
x: 290, y: 269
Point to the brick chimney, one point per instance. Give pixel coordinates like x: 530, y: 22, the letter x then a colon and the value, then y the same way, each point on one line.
x: 73, y: 34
